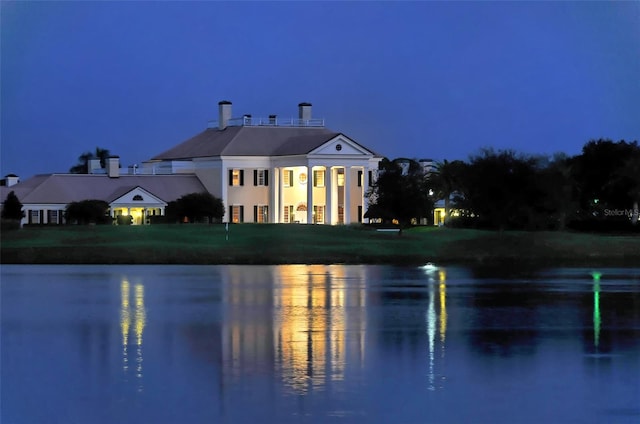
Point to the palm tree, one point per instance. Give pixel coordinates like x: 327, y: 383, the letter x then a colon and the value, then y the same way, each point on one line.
x: 82, y: 167
x: 445, y: 181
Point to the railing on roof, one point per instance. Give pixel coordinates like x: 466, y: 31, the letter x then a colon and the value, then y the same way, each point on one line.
x: 248, y: 121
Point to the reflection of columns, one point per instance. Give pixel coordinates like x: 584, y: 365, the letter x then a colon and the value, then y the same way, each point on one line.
x: 328, y: 189
x: 275, y: 192
x: 224, y: 188
x: 310, y: 194
x: 347, y: 195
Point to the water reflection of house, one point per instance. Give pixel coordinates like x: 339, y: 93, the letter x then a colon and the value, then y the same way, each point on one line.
x: 133, y: 319
x: 292, y: 320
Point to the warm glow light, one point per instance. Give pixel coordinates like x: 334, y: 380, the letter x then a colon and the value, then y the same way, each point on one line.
x: 141, y: 316
x: 311, y: 333
x: 139, y: 322
x: 443, y: 305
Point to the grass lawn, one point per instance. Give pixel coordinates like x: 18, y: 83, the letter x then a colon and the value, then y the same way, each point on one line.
x: 317, y: 244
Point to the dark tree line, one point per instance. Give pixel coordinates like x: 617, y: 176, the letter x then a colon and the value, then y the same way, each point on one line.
x: 503, y: 189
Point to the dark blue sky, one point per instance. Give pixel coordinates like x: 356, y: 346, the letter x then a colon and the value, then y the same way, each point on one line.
x: 409, y: 79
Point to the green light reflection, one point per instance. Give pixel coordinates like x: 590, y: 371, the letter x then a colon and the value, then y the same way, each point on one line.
x: 596, y: 308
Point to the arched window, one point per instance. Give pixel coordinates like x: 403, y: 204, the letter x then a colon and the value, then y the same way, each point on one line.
x: 138, y: 198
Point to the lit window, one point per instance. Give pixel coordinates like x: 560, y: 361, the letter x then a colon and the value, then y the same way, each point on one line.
x: 340, y: 214
x: 340, y: 177
x: 235, y: 180
x: 288, y: 214
x: 318, y: 178
x: 287, y: 178
x: 261, y: 213
x: 318, y: 214
x: 236, y: 177
x: 237, y: 212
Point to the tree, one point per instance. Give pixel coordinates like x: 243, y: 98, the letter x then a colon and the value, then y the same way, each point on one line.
x: 12, y: 208
x: 500, y: 189
x: 445, y: 181
x: 599, y: 172
x: 195, y: 207
x: 400, y: 194
x: 628, y: 175
x: 88, y: 212
x: 82, y: 167
x: 559, y: 202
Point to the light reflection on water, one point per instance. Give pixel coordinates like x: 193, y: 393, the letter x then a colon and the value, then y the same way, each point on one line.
x: 316, y: 343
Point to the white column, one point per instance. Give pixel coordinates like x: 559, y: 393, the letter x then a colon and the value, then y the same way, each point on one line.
x: 274, y: 195
x: 225, y: 187
x: 280, y: 195
x: 309, y: 194
x: 347, y: 195
x: 328, y: 195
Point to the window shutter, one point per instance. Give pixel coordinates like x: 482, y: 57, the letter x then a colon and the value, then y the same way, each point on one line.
x: 241, y: 212
x: 315, y: 178
x: 242, y: 177
x: 231, y: 177
x: 266, y: 214
x: 255, y: 213
x: 359, y: 178
x: 370, y: 179
x: 255, y: 177
x: 291, y: 178
x: 266, y: 177
x: 230, y: 219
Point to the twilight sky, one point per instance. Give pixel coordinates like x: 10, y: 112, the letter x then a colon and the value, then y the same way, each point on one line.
x: 407, y: 79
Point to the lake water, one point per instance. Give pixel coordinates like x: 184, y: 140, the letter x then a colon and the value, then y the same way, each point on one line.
x: 318, y: 344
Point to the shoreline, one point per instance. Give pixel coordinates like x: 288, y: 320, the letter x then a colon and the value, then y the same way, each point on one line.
x: 279, y: 244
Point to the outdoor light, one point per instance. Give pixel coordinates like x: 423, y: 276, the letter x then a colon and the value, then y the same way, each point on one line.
x: 429, y: 268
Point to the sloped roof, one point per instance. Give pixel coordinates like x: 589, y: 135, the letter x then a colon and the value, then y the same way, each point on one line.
x: 66, y: 188
x: 250, y: 141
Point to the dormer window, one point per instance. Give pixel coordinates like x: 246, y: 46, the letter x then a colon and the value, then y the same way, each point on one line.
x: 138, y: 198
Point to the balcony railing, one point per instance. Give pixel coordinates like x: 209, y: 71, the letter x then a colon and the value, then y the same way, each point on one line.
x: 248, y: 121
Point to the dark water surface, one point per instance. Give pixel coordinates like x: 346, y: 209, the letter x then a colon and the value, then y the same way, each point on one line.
x: 318, y: 344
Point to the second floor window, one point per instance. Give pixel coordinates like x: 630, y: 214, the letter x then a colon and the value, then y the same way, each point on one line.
x: 236, y: 177
x: 287, y: 178
x: 318, y: 178
x: 260, y: 177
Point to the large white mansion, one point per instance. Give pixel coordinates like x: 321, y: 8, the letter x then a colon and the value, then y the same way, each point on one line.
x: 264, y: 170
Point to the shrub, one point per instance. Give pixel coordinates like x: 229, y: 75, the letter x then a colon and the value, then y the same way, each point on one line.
x: 88, y: 212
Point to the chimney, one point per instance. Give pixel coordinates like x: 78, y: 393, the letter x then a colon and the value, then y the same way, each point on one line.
x: 11, y: 180
x: 94, y: 165
x: 113, y: 167
x: 304, y: 111
x: 224, y: 114
x: 272, y: 119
